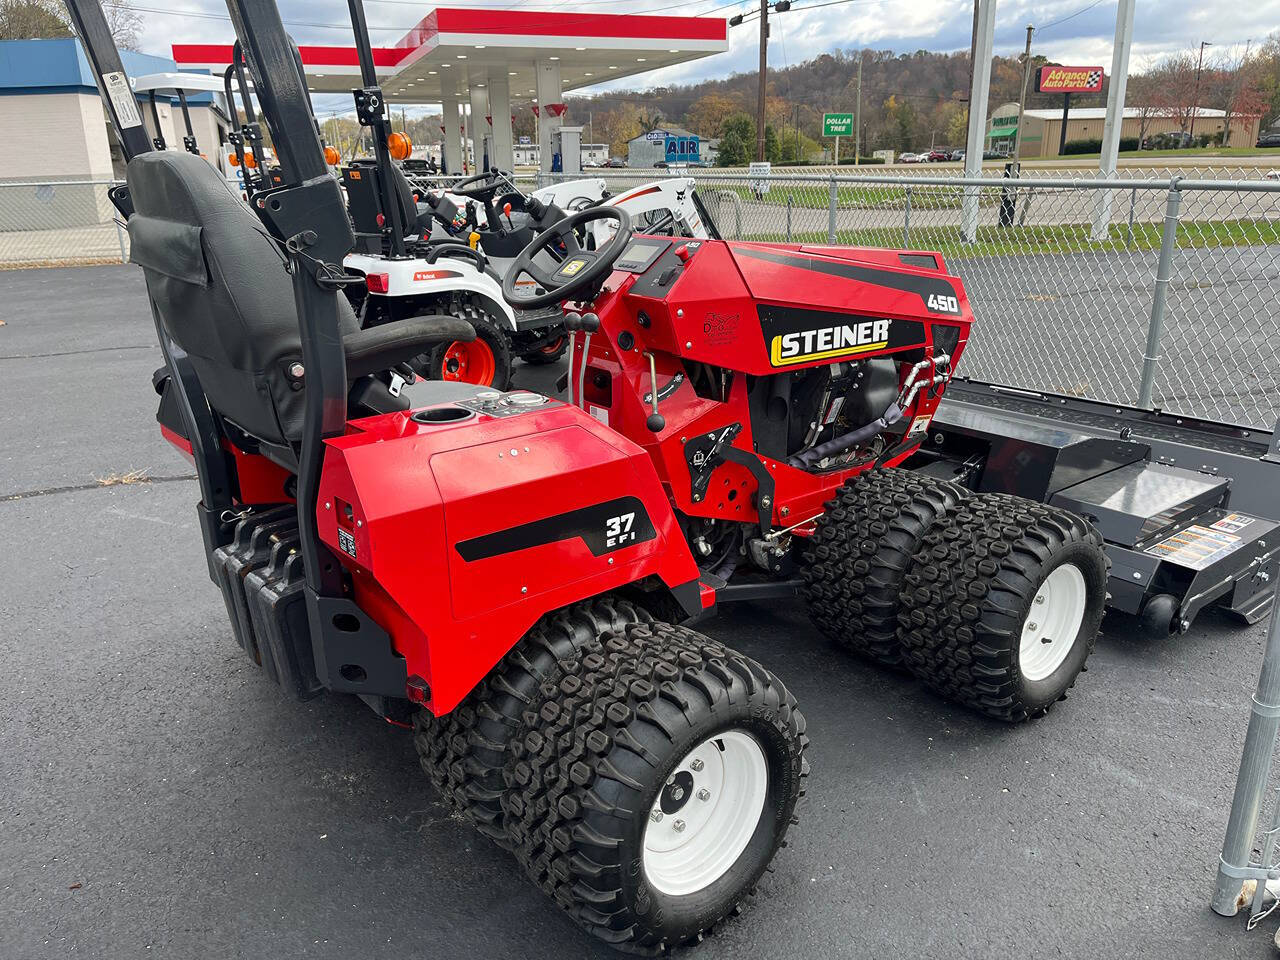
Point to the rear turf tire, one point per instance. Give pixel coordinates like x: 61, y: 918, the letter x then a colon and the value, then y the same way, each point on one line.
x: 858, y: 557
x: 985, y: 585
x: 464, y: 752
x: 635, y: 712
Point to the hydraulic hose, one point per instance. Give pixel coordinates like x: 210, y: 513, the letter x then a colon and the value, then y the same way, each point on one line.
x: 838, y: 445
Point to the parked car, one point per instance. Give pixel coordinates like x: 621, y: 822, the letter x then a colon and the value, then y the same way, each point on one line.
x: 1271, y: 139
x: 661, y: 165
x: 615, y: 162
x: 957, y: 154
x: 938, y: 155
x: 909, y: 158
x: 1271, y: 175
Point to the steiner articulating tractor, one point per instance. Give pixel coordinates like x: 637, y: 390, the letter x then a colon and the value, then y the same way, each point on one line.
x: 514, y: 575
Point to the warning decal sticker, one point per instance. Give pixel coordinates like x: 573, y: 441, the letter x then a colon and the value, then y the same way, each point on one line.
x: 1196, y: 547
x: 1233, y: 522
x: 346, y: 541
x: 121, y: 94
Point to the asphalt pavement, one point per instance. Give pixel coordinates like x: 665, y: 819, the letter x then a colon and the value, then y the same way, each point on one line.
x: 160, y: 798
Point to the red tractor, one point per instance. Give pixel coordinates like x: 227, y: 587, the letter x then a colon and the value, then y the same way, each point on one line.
x: 508, y: 573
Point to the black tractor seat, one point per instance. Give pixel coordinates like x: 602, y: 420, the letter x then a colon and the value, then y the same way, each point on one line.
x: 221, y: 291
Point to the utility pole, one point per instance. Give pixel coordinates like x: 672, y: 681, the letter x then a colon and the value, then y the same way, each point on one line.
x: 1022, y: 99
x: 796, y: 114
x: 1195, y: 97
x: 857, y: 116
x: 764, y: 61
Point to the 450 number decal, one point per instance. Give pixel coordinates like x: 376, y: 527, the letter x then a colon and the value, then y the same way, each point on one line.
x: 941, y: 303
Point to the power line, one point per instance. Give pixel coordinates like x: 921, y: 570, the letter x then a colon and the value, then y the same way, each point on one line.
x: 1070, y: 16
x: 755, y: 14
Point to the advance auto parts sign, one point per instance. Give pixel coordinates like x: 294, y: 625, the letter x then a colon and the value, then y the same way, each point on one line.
x: 1069, y: 80
x: 804, y: 336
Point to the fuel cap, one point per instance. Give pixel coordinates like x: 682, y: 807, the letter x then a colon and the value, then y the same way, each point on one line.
x: 524, y: 399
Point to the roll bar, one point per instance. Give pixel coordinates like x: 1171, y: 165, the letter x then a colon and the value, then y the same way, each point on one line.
x: 371, y: 111
x: 308, y: 212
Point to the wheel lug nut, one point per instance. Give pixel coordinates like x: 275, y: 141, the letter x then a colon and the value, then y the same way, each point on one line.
x: 655, y: 815
x: 1033, y: 626
x: 697, y: 764
x: 1040, y: 599
x: 704, y: 794
x: 678, y: 826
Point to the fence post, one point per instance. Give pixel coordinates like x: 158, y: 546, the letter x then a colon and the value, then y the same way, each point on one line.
x: 906, y: 220
x: 831, y: 213
x: 124, y: 256
x: 1133, y: 202
x: 788, y: 218
x: 1251, y: 782
x: 1160, y: 297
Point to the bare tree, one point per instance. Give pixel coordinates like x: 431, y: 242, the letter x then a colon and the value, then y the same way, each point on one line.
x: 124, y: 22
x: 1173, y: 87
x: 39, y: 19
x: 32, y: 20
x: 1236, y: 86
x: 1145, y: 97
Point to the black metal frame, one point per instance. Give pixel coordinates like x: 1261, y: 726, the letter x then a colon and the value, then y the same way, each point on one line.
x: 371, y: 111
x: 1236, y: 467
x: 189, y: 140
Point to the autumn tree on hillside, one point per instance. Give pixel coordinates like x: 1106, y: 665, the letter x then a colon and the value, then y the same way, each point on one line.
x: 708, y: 112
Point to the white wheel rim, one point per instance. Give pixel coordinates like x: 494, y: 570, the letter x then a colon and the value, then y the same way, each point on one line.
x: 1051, y: 628
x: 706, y: 814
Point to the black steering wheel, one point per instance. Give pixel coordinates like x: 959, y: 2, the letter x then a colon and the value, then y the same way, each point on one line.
x: 483, y: 186
x: 579, y: 269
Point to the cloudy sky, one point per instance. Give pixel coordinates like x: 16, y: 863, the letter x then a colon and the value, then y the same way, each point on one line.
x: 1078, y: 31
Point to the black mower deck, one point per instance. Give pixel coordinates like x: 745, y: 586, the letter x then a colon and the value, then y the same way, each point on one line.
x: 1184, y: 504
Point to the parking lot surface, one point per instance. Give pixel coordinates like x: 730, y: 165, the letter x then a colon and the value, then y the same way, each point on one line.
x: 160, y: 798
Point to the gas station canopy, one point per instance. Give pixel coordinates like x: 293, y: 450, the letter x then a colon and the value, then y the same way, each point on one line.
x: 468, y: 46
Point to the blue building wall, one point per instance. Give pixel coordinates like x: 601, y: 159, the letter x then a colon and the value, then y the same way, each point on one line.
x: 59, y: 65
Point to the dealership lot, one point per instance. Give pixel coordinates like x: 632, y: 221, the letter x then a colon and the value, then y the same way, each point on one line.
x: 163, y: 799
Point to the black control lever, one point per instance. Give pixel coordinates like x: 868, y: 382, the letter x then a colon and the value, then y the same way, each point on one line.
x: 590, y: 324
x: 572, y: 323
x: 656, y: 421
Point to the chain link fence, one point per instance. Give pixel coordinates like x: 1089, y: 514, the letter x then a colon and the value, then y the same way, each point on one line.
x: 1156, y: 290
x: 59, y: 223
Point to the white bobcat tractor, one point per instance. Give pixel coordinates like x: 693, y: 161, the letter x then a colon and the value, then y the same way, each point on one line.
x: 463, y: 241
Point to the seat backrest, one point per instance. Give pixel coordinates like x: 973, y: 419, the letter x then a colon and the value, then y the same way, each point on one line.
x: 219, y: 285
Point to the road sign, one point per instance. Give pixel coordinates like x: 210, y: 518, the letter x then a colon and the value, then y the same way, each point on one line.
x: 837, y: 124
x: 1054, y: 79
